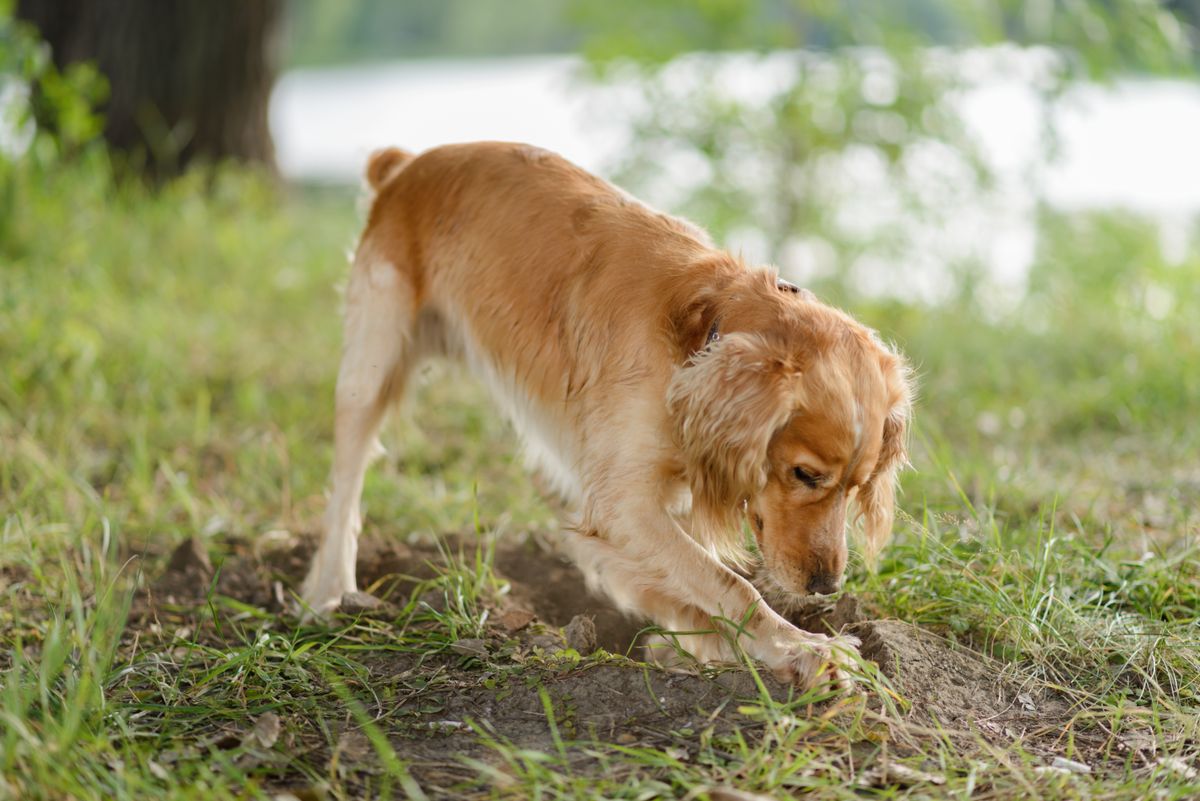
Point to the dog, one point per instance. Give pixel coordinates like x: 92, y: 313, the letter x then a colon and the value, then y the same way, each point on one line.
x: 664, y: 389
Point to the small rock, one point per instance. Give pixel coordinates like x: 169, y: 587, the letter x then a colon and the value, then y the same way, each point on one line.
x: 352, y: 746
x: 845, y: 613
x: 1138, y: 742
x: 581, y: 634
x: 625, y: 738
x: 1178, y: 767
x: 1048, y: 770
x: 515, y: 618
x: 356, y: 602
x: 190, y: 557
x: 550, y: 642
x: 265, y: 732
x: 892, y: 774
x: 170, y: 756
x: 278, y: 540
x: 1070, y: 765
x: 444, y: 726
x: 470, y: 647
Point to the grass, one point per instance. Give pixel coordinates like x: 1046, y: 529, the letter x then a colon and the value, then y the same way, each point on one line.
x: 167, y: 367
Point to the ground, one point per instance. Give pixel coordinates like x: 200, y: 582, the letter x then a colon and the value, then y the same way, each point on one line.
x: 164, y: 447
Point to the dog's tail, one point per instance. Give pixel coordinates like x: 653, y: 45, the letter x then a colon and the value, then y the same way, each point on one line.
x: 384, y: 165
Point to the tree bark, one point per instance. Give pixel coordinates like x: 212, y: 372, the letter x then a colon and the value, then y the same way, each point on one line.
x: 189, y: 79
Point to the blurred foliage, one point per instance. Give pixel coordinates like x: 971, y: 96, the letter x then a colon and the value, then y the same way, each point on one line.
x: 331, y: 31
x: 769, y: 137
x: 67, y: 98
x: 32, y: 87
x: 1103, y: 34
x: 1102, y: 343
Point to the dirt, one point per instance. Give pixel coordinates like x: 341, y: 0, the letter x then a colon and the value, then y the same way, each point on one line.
x: 607, y: 703
x: 967, y: 697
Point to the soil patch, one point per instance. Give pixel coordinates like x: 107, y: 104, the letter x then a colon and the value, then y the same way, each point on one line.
x: 966, y: 696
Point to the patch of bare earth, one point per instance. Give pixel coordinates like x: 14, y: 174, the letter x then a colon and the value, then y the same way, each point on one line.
x: 434, y: 708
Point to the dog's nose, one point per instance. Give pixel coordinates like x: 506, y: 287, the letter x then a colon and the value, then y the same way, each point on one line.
x: 823, y: 583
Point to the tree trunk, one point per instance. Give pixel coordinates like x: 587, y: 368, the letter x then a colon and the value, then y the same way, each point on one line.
x: 189, y: 79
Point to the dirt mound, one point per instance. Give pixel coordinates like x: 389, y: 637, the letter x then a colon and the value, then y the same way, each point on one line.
x: 961, y: 692
x: 947, y: 686
x: 951, y: 688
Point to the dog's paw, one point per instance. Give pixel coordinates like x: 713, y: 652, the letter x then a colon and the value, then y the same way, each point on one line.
x: 813, y: 660
x: 318, y: 599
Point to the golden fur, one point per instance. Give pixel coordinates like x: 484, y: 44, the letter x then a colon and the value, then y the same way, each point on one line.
x: 590, y: 315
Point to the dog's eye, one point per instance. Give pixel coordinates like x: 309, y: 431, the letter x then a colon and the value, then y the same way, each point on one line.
x: 810, y: 480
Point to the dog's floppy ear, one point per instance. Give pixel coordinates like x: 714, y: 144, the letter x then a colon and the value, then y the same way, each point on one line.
x: 877, y: 497
x: 725, y: 404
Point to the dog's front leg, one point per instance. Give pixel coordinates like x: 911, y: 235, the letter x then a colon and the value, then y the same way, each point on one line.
x: 652, y: 567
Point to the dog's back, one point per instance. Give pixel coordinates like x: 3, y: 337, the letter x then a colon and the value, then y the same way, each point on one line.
x: 535, y: 261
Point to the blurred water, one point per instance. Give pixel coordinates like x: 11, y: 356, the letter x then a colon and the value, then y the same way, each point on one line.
x: 1134, y: 144
x: 16, y: 128
x: 326, y: 121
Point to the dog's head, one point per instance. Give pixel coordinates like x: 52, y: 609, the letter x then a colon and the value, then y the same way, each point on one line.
x: 793, y: 413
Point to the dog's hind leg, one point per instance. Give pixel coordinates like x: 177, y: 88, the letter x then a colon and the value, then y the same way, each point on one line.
x: 377, y: 355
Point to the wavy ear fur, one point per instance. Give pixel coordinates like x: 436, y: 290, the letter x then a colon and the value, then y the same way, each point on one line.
x: 877, y: 498
x: 726, y: 403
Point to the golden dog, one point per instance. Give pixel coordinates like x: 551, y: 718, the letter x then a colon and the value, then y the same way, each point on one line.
x: 663, y: 388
